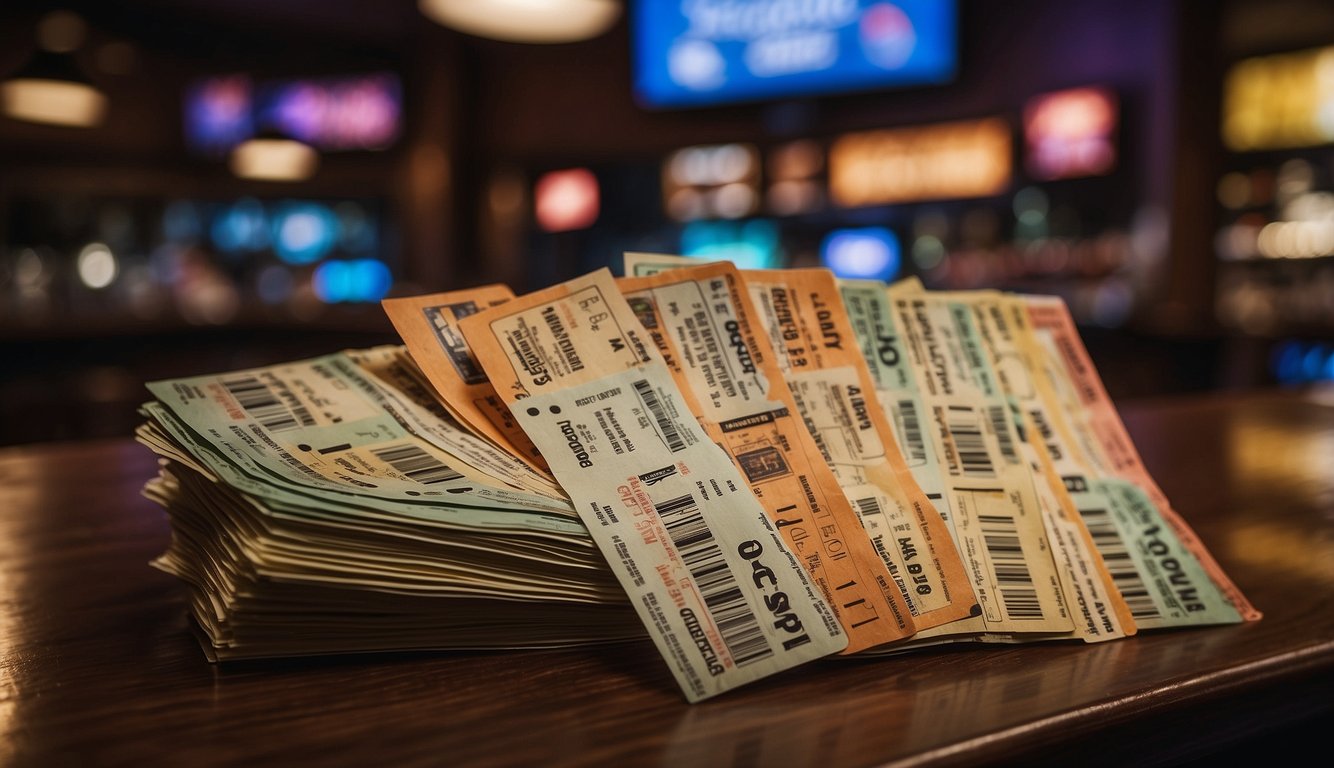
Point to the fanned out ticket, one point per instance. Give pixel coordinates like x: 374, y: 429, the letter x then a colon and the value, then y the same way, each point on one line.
x: 1094, y: 596
x: 1178, y: 582
x: 701, y: 321
x: 323, y: 429
x: 997, y: 519
x: 721, y: 594
x: 427, y: 417
x: 834, y: 395
x: 872, y: 319
x: 802, y: 313
x: 429, y: 326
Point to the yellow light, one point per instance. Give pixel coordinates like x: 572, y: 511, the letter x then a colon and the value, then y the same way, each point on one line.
x: 525, y: 21
x: 1279, y: 102
x: 54, y: 102
x: 273, y: 159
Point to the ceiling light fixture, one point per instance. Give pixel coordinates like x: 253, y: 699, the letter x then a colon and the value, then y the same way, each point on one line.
x: 50, y: 88
x: 274, y: 157
x: 525, y: 21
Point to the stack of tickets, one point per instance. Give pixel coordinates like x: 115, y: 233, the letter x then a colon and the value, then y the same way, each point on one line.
x: 755, y: 468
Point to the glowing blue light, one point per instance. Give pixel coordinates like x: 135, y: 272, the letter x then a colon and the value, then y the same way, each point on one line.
x: 353, y: 280
x: 242, y: 227
x: 750, y: 245
x: 304, y: 232
x: 868, y: 253
x: 1313, y: 363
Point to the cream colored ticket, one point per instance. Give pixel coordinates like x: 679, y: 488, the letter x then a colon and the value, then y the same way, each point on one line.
x: 802, y: 313
x: 872, y: 318
x: 322, y: 429
x: 417, y: 408
x: 723, y: 597
x: 1169, y: 575
x: 997, y: 519
x: 701, y: 320
x: 894, y: 510
x: 429, y: 327
x: 1100, y: 611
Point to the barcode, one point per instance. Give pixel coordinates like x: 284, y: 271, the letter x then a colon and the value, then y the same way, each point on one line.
x: 1001, y: 536
x: 867, y: 506
x: 259, y: 400
x: 1003, y: 436
x: 912, y: 431
x: 1107, y: 540
x: 417, y: 464
x: 961, y: 421
x: 724, y: 599
x: 670, y: 433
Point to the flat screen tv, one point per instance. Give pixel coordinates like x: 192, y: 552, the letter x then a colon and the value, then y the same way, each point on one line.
x: 702, y: 52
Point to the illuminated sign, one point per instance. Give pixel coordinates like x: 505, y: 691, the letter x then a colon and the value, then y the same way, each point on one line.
x: 1276, y: 102
x: 690, y: 52
x: 712, y: 182
x: 1071, y: 133
x: 359, y: 112
x: 217, y: 113
x: 950, y: 160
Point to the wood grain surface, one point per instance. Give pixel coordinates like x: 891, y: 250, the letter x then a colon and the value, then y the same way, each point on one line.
x: 98, y: 666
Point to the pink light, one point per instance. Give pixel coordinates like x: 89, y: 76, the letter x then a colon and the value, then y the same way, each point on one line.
x: 1071, y: 133
x: 567, y: 200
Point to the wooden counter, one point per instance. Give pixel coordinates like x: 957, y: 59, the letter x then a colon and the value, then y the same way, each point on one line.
x: 97, y: 665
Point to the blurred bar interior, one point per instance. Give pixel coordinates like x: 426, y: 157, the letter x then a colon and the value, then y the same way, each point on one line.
x: 198, y: 185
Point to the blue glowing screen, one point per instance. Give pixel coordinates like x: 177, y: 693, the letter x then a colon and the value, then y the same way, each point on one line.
x: 696, y: 52
x: 352, y: 280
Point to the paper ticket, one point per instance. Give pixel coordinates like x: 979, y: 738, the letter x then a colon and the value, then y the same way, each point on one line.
x: 872, y: 319
x: 1173, y: 563
x: 997, y: 520
x: 701, y: 320
x: 816, y: 351
x: 1094, y: 597
x: 429, y: 327
x: 320, y: 429
x: 721, y: 594
x: 409, y: 397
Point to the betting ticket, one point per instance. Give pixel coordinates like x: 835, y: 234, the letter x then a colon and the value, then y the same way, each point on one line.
x: 322, y: 431
x: 835, y: 397
x: 723, y: 597
x: 1175, y: 580
x: 997, y: 521
x: 429, y: 326
x: 700, y: 319
x: 802, y: 313
x: 425, y: 415
x: 1097, y: 601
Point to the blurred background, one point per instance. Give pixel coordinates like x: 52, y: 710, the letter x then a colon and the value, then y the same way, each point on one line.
x: 188, y: 186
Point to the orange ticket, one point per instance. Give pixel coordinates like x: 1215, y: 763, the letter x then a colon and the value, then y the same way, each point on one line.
x: 701, y: 320
x: 820, y: 358
x: 723, y: 597
x: 429, y: 326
